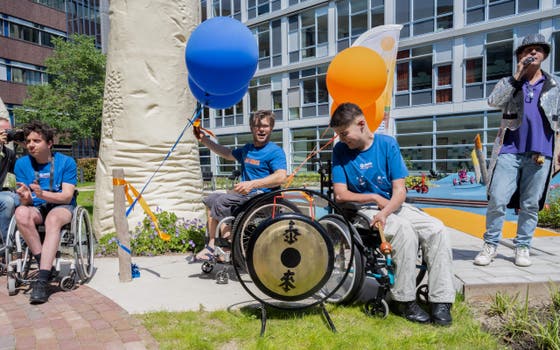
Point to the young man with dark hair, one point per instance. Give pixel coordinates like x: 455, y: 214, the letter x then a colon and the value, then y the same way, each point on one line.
x: 263, y: 167
x: 369, y: 168
x: 46, y: 183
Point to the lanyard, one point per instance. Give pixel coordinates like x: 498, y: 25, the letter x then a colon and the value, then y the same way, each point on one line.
x: 51, y: 176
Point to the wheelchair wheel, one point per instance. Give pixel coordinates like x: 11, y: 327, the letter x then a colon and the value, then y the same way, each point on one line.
x: 422, y: 293
x: 247, y: 221
x: 337, y: 228
x: 377, y: 308
x: 207, y: 267
x: 421, y: 267
x: 68, y: 283
x: 83, y: 244
x: 16, y: 258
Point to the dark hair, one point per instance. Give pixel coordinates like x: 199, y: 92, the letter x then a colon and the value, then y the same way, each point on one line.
x: 345, y: 114
x: 40, y: 128
x: 260, y: 115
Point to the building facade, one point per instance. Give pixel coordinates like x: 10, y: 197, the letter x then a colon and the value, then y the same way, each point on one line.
x: 451, y: 54
x: 27, y: 30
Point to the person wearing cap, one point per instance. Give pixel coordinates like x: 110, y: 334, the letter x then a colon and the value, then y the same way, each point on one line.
x: 525, y: 153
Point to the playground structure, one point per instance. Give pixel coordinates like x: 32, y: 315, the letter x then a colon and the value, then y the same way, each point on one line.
x: 420, y: 186
x: 463, y: 178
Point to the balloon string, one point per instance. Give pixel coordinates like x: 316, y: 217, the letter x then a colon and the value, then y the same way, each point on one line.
x: 196, y: 115
x: 312, y: 154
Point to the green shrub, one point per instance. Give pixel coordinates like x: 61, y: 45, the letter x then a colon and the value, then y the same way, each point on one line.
x: 550, y: 215
x: 186, y: 235
x: 412, y: 180
x: 88, y: 167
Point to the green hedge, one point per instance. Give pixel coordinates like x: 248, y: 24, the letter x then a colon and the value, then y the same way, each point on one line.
x: 87, y: 166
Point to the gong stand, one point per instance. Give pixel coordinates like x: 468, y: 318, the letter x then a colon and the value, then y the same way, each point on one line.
x: 289, y: 257
x: 321, y: 306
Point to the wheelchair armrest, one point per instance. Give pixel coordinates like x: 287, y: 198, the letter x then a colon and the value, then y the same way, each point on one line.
x: 351, y: 209
x: 356, y: 206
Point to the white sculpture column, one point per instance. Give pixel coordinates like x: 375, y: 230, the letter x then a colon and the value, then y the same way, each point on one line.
x: 3, y: 110
x: 146, y: 105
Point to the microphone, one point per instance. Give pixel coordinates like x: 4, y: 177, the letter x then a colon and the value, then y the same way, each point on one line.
x: 528, y: 61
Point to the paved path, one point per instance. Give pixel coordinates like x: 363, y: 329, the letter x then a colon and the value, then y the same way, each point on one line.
x: 80, y: 319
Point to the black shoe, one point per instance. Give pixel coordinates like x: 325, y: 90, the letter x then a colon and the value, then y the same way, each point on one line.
x: 413, y: 312
x: 39, y: 292
x: 441, y: 314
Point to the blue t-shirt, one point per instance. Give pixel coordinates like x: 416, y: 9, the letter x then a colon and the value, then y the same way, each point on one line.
x: 258, y: 163
x: 372, y: 170
x: 28, y: 170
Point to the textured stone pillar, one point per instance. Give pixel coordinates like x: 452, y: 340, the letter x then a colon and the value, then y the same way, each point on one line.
x: 3, y: 110
x: 146, y: 105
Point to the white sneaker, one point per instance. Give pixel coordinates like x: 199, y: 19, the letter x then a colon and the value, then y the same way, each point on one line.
x: 522, y: 256
x: 486, y: 255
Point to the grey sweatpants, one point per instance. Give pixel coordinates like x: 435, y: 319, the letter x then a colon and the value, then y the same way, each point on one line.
x: 406, y: 229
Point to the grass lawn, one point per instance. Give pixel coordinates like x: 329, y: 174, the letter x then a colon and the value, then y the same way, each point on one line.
x: 240, y: 329
x: 85, y: 197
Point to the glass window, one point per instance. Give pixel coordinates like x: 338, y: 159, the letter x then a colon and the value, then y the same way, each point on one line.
x: 307, y: 141
x: 555, y: 52
x: 501, y: 9
x: 263, y: 35
x: 444, y: 91
x: 482, y: 10
x: 308, y: 35
x: 356, y: 17
x: 308, y: 95
x: 482, y: 73
x: 407, y: 126
x: 377, y: 13
x: 423, y: 16
x: 414, y: 77
x: 261, y: 7
x: 448, y: 147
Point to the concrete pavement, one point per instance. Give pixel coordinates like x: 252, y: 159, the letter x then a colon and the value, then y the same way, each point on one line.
x: 170, y: 283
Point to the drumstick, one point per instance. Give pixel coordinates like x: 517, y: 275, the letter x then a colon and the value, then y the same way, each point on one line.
x: 385, y: 246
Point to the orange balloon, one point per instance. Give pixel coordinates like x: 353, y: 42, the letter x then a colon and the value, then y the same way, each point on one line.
x: 357, y: 74
x: 373, y: 113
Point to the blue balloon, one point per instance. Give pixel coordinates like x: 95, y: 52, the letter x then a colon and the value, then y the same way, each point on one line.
x: 216, y: 101
x: 221, y: 55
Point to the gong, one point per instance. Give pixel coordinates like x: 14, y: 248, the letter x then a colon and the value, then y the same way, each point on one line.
x: 290, y: 257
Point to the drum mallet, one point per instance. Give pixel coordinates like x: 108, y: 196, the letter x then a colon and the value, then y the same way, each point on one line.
x: 385, y: 246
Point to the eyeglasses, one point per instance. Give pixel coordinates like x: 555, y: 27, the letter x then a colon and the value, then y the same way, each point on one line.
x: 529, y: 93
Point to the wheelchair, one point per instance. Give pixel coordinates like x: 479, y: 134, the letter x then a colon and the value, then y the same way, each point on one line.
x: 372, y: 272
x: 246, y: 224
x: 73, y: 262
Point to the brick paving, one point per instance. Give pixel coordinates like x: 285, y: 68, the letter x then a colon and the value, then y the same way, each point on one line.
x: 79, y: 319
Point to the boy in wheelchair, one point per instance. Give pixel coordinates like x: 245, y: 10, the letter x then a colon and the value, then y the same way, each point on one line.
x: 263, y: 166
x: 369, y: 168
x: 46, y: 183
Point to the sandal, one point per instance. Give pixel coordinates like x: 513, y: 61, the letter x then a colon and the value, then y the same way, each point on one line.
x: 206, y: 254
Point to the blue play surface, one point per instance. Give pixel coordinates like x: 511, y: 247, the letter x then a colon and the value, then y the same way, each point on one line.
x: 445, y: 189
